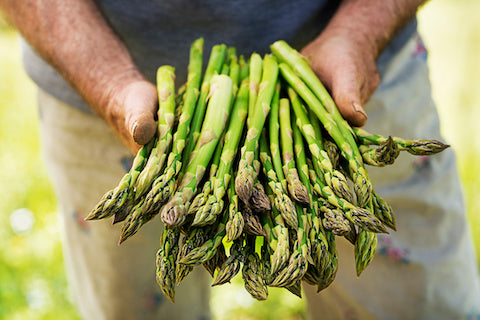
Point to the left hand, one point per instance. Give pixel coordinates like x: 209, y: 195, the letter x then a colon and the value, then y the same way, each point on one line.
x: 345, y: 63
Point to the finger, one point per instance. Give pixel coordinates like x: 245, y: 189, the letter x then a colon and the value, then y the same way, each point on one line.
x: 140, y: 107
x: 347, y: 94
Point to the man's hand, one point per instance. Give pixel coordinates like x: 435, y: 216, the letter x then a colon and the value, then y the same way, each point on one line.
x: 74, y: 37
x: 344, y: 55
x: 130, y: 111
x: 348, y: 69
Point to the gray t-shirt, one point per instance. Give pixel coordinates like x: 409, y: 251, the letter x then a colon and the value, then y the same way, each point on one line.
x: 160, y: 32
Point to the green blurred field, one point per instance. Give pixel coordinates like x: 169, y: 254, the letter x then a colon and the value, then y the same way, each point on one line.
x: 32, y: 280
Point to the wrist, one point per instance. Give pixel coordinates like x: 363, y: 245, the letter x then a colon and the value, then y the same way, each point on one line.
x: 371, y: 24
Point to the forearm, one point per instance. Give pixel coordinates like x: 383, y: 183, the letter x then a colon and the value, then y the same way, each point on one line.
x: 372, y: 23
x: 74, y: 37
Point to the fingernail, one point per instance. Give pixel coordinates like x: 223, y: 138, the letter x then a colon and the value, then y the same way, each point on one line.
x: 358, y: 108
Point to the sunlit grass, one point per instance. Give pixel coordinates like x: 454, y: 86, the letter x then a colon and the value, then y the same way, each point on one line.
x: 32, y: 277
x: 33, y: 284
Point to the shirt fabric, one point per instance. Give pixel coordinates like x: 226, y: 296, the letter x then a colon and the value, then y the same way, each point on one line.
x: 160, y: 32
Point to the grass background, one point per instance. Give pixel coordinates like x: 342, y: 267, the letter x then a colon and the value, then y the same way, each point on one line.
x: 32, y: 279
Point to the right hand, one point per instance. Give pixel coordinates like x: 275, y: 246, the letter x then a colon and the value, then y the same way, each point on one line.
x: 130, y: 111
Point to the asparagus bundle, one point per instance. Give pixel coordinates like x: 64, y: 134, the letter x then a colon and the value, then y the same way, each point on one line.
x: 249, y: 172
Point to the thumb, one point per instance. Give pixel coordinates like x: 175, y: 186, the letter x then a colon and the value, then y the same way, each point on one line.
x: 347, y: 95
x: 140, y: 107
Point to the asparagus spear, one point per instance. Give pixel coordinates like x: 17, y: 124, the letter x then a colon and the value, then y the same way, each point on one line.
x: 216, y: 261
x: 333, y: 152
x: 295, y: 187
x: 208, y: 211
x: 417, y: 147
x: 173, y: 213
x: 331, y: 177
x: 166, y: 116
x: 316, y: 234
x: 383, y: 211
x: 384, y: 155
x: 358, y: 216
x: 208, y: 249
x: 365, y: 248
x: 252, y: 224
x: 214, y: 66
x: 194, y: 238
x: 280, y: 199
x: 252, y: 273
x: 246, y: 172
x: 255, y: 73
x: 164, y: 185
x: 329, y: 273
x: 235, y: 223
x: 244, y: 67
x: 113, y: 200
x: 259, y: 201
x: 201, y: 198
x: 277, y: 239
x: 166, y: 96
x: 165, y: 262
x: 296, y: 288
x: 232, y: 265
x: 274, y: 137
x: 362, y: 184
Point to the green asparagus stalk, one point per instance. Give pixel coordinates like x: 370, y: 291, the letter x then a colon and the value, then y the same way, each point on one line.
x: 338, y: 178
x: 234, y: 69
x: 255, y: 74
x: 277, y: 239
x: 296, y: 288
x: 214, y: 66
x: 166, y: 116
x: 252, y: 273
x: 252, y: 224
x: 246, y: 172
x: 384, y: 155
x: 166, y: 96
x: 173, y: 213
x: 362, y: 184
x: 201, y: 198
x: 164, y: 185
x: 165, y: 262
x: 295, y: 187
x: 335, y: 221
x: 208, y: 211
x: 244, y: 68
x: 113, y: 200
x: 316, y: 234
x: 194, y: 238
x: 232, y: 265
x: 208, y: 249
x: 329, y: 273
x: 280, y: 199
x: 235, y: 223
x: 333, y: 152
x: 259, y: 201
x: 365, y: 248
x: 418, y: 147
x: 274, y: 136
x: 296, y: 268
x: 383, y: 211
x: 216, y: 262
x: 358, y: 216
x: 331, y: 177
